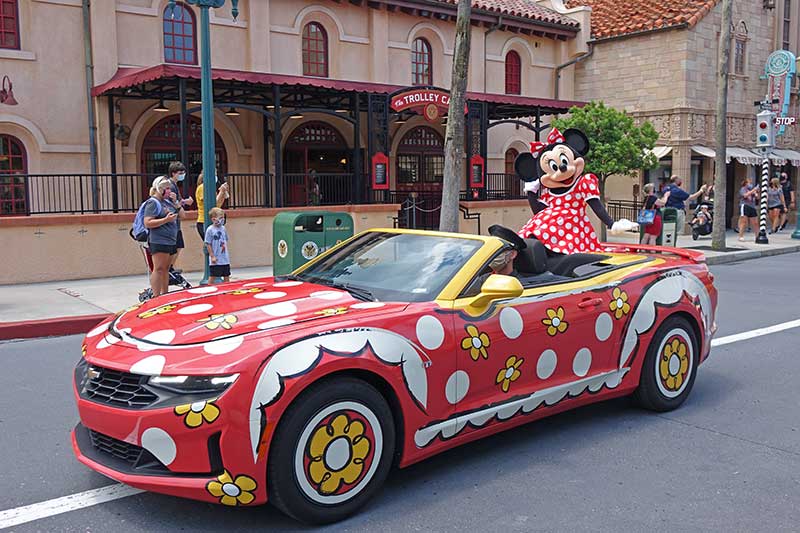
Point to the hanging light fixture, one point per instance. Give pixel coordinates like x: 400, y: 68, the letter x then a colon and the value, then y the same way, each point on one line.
x: 161, y: 108
x: 342, y: 110
x: 297, y: 115
x: 232, y: 112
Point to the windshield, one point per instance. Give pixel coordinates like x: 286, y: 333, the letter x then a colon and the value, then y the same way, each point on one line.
x: 394, y: 266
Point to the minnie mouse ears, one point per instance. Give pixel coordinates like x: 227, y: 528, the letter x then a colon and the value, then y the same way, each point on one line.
x: 527, y: 164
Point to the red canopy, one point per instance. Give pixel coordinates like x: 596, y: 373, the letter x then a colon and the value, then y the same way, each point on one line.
x: 129, y: 77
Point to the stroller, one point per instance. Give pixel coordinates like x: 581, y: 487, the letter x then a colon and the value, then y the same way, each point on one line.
x: 702, y: 222
x: 175, y: 277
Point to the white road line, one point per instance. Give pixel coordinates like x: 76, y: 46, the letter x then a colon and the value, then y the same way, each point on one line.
x: 755, y: 333
x: 36, y: 511
x: 65, y: 504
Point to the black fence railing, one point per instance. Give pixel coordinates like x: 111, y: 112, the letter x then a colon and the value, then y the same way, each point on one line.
x: 40, y: 194
x: 624, y: 209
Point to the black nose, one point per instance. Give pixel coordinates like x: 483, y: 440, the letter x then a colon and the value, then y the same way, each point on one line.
x: 563, y: 167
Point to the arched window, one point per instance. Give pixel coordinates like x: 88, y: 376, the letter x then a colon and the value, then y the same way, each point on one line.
x: 511, y: 156
x: 315, y: 50
x: 9, y: 24
x: 162, y: 145
x: 13, y: 167
x: 513, y: 76
x: 421, y: 63
x: 180, y: 42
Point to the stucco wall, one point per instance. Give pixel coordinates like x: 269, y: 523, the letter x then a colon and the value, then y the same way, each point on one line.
x: 91, y: 246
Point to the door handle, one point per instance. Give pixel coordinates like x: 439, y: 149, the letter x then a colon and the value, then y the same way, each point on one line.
x: 590, y: 302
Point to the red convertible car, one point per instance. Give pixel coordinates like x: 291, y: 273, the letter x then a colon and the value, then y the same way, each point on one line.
x: 392, y: 347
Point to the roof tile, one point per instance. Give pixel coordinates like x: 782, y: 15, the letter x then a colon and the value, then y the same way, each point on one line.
x: 528, y: 9
x: 612, y: 18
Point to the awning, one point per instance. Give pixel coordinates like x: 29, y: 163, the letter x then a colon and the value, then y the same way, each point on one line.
x: 704, y: 151
x: 131, y: 77
x: 745, y: 157
x: 661, y: 151
x: 790, y: 155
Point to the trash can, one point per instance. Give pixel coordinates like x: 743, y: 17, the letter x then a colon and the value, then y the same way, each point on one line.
x: 669, y: 227
x: 300, y: 236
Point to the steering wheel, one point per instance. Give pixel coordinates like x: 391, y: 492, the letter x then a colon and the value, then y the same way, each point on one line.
x: 496, y: 230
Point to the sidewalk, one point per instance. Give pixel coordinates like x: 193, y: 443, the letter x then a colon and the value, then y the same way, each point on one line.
x: 68, y: 307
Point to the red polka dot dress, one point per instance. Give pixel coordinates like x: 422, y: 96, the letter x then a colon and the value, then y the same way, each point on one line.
x: 563, y: 226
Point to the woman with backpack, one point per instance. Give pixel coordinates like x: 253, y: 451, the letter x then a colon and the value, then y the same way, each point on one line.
x: 161, y: 213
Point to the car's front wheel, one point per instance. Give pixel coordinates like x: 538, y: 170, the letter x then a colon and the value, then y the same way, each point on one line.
x: 332, y: 451
x: 669, y: 367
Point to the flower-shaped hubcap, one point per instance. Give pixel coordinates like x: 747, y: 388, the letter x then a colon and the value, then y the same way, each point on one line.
x: 338, y: 453
x: 674, y: 364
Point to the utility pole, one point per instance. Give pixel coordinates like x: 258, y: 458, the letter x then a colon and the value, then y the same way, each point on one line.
x: 454, y: 136
x: 765, y: 143
x: 720, y: 166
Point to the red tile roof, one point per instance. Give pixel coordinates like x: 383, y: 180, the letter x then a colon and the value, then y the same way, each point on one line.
x: 611, y: 18
x: 527, y: 9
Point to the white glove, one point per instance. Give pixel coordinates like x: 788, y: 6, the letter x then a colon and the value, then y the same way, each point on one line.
x: 622, y: 225
x: 531, y: 186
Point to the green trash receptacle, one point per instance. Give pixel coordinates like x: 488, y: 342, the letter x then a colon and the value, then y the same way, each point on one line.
x: 669, y: 228
x: 300, y: 236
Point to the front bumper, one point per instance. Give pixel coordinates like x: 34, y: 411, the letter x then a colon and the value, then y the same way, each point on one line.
x: 184, y: 486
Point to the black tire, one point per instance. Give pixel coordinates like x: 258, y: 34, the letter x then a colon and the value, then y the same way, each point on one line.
x: 668, y: 372
x: 313, y: 420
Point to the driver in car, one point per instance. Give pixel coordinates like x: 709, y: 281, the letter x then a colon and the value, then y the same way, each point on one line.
x: 503, y: 263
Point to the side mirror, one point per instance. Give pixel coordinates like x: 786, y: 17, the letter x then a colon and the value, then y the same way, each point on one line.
x: 496, y: 287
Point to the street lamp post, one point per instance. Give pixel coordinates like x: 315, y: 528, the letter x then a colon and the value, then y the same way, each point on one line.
x: 207, y: 108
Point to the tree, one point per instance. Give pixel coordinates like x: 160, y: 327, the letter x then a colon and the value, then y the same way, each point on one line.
x: 720, y: 176
x: 616, y: 144
x: 454, y: 136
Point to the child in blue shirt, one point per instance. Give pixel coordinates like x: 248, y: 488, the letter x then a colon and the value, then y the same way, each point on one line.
x: 217, y: 245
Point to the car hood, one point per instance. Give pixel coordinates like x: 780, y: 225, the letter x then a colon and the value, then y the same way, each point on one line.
x: 205, y: 314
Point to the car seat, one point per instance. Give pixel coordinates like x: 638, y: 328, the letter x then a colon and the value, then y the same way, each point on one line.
x: 532, y: 259
x: 565, y: 265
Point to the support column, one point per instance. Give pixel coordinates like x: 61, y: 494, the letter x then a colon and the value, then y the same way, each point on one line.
x: 183, y: 124
x: 112, y: 145
x: 265, y: 140
x: 358, y: 177
x: 276, y: 144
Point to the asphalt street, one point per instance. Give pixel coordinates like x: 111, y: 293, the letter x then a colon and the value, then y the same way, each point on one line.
x: 728, y: 460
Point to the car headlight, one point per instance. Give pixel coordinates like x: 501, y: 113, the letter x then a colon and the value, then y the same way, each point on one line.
x: 193, y: 384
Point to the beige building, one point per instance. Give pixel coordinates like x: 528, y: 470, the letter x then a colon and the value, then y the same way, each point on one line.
x: 658, y: 61
x: 302, y: 93
x: 317, y: 102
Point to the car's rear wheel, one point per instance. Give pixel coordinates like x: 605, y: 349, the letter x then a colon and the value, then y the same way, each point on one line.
x: 669, y: 367
x: 331, y: 452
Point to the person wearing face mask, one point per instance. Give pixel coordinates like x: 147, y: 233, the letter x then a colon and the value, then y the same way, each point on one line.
x: 217, y: 245
x: 161, y: 218
x: 177, y: 173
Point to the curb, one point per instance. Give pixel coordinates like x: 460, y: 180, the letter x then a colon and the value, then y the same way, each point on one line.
x: 724, y: 258
x: 50, y: 327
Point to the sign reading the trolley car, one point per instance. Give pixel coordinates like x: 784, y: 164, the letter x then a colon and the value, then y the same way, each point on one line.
x: 430, y: 103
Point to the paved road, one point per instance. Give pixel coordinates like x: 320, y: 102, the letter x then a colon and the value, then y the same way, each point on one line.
x: 729, y: 460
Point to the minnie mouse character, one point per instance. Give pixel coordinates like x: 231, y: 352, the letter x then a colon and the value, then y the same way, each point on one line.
x: 558, y: 192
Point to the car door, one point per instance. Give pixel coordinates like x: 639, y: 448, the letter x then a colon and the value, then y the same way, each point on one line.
x: 541, y: 340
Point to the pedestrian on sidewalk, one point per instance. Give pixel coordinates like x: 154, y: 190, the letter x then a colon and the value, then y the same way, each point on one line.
x: 788, y: 198
x: 747, y: 207
x: 677, y: 200
x: 177, y: 173
x: 161, y: 218
x: 651, y: 201
x: 775, y: 204
x: 222, y: 195
x: 217, y: 245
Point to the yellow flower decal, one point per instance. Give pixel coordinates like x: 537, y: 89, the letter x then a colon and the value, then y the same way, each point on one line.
x: 251, y: 290
x: 157, y: 311
x: 674, y: 364
x: 219, y: 320
x: 332, y: 311
x: 476, y: 343
x: 555, y: 321
x: 509, y: 373
x: 197, y: 412
x: 231, y: 491
x: 83, y: 350
x: 619, y: 303
x: 327, y: 469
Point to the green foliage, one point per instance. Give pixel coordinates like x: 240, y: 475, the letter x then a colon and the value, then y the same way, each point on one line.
x: 616, y: 144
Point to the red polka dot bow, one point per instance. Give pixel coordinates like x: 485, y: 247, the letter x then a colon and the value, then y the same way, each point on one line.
x: 554, y: 137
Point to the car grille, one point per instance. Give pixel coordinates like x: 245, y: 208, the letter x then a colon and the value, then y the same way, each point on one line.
x: 135, y: 456
x: 112, y: 387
